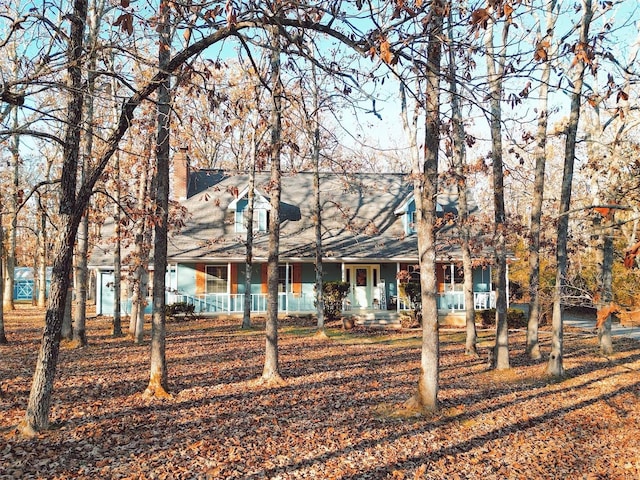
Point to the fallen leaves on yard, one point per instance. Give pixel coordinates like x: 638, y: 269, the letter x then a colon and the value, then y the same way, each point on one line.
x: 336, y: 417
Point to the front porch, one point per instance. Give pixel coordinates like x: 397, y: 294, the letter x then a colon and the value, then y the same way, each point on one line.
x: 448, y: 303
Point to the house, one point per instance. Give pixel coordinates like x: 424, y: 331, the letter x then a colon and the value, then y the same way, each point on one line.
x: 368, y: 237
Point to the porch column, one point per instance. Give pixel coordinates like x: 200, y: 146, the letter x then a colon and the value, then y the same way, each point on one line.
x: 286, y: 287
x: 229, y: 287
x: 452, y: 272
x: 174, y: 278
x: 397, y: 287
x: 507, y: 286
x: 98, y: 292
x: 491, y: 285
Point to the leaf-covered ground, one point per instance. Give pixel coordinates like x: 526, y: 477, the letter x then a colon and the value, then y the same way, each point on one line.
x: 331, y: 420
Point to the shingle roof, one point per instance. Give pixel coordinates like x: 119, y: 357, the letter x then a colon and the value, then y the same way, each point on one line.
x: 358, y: 219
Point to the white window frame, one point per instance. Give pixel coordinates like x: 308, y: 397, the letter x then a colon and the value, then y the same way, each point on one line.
x: 260, y: 220
x: 224, y: 268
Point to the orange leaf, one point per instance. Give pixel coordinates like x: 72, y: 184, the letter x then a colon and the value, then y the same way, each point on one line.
x: 604, y: 313
x: 541, y: 54
x: 385, y: 52
x: 622, y: 95
x: 630, y: 256
x: 479, y: 17
x: 508, y: 10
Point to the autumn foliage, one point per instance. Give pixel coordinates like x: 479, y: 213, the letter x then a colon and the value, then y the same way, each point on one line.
x: 335, y: 418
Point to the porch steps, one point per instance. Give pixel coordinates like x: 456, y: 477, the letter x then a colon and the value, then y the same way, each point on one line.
x: 377, y: 319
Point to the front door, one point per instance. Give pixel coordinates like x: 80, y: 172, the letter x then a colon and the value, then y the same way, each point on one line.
x: 362, y: 279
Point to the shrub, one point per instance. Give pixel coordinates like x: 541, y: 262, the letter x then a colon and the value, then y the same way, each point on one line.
x: 414, y: 292
x: 515, y: 318
x: 333, y: 294
x: 177, y: 308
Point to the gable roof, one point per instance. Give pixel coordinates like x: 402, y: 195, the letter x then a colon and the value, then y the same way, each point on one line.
x: 259, y: 197
x: 360, y: 219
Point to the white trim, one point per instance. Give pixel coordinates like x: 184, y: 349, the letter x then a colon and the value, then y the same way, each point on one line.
x: 98, y: 293
x: 507, y: 286
x: 407, y: 201
x: 243, y: 193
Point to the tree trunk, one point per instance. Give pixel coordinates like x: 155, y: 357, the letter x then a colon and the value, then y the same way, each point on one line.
x: 158, y: 378
x: 251, y: 195
x: 42, y: 258
x: 555, y: 365
x: 142, y: 246
x: 425, y: 194
x: 314, y: 122
x: 271, y: 372
x: 3, y: 335
x: 458, y: 158
x: 143, y: 286
x: 81, y: 278
x: 134, y: 281
x: 67, y: 321
x: 532, y: 342
x: 38, y: 407
x: 10, y: 250
x: 117, y: 259
x: 82, y: 251
x: 500, y: 357
x: 604, y: 331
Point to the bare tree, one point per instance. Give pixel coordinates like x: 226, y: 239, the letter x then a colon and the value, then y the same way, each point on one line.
x: 271, y: 372
x: 251, y: 196
x: 543, y: 53
x: 158, y: 376
x: 81, y: 259
x: 425, y: 187
x: 3, y: 335
x: 314, y: 127
x: 37, y: 415
x: 496, y: 59
x: 458, y: 135
x: 117, y: 255
x: 583, y: 59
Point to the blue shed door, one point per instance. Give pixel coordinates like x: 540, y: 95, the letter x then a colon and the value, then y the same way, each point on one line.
x: 106, y: 295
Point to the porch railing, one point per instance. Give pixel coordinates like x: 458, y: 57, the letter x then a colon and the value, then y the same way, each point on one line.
x: 289, y: 302
x: 454, y: 301
x: 234, y: 303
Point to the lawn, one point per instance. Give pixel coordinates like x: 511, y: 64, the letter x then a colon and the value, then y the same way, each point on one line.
x: 334, y: 417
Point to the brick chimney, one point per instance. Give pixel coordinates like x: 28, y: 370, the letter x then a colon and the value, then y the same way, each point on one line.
x: 181, y: 173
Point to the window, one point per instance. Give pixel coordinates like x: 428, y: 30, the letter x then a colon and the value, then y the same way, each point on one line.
x: 284, y: 278
x: 411, y: 218
x: 217, y: 279
x: 414, y: 272
x: 260, y: 218
x: 458, y: 277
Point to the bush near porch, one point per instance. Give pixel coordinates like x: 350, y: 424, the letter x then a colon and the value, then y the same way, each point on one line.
x: 333, y: 294
x: 515, y: 318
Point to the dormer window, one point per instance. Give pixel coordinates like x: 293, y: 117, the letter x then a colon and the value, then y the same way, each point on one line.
x: 260, y: 218
x: 261, y: 209
x: 409, y: 215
